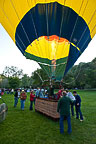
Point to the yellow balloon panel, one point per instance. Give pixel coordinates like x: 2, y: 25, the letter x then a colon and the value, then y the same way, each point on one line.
x: 51, y: 48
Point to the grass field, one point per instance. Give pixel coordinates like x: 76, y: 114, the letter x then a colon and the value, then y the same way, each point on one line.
x: 29, y: 127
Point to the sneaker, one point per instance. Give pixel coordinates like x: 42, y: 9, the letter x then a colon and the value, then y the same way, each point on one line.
x: 81, y: 120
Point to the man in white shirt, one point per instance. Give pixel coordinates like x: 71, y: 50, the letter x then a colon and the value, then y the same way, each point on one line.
x: 70, y: 95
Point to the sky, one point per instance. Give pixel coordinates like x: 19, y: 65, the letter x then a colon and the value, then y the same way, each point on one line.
x: 10, y: 55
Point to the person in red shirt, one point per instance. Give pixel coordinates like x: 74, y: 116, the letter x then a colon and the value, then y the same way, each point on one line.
x: 32, y: 96
x: 59, y: 94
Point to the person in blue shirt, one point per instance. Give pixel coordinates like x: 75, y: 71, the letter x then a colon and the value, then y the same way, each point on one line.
x: 37, y: 92
x: 78, y: 106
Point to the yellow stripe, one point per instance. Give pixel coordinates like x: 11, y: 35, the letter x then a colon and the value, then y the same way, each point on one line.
x: 75, y: 46
x: 22, y: 7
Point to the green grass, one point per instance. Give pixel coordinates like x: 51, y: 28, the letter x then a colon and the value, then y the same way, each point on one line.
x: 29, y: 127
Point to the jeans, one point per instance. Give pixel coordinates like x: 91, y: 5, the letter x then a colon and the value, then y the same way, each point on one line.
x: 31, y: 105
x: 22, y: 104
x: 62, y: 125
x: 78, y: 111
x: 72, y: 108
x: 15, y: 101
x: 34, y: 100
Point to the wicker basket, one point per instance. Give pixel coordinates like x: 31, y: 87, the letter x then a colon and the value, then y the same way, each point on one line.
x: 47, y: 107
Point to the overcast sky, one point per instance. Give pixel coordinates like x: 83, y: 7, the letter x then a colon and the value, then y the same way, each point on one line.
x: 11, y: 56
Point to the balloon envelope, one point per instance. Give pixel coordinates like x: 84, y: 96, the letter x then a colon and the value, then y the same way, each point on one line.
x: 52, y: 32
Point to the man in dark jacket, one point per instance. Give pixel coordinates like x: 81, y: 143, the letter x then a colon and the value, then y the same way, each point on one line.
x: 78, y: 106
x: 64, y: 109
x: 15, y: 98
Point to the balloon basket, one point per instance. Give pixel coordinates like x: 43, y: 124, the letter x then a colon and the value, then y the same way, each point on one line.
x: 47, y: 107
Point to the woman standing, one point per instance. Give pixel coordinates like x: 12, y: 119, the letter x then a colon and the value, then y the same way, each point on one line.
x: 32, y: 96
x: 23, y: 97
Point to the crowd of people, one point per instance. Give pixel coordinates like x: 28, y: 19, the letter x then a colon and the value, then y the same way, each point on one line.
x: 23, y: 95
x: 66, y: 101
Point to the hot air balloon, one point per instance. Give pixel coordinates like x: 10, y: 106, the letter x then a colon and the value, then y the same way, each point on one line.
x: 52, y: 32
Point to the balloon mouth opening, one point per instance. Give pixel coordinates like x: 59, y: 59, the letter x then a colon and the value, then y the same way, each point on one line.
x: 55, y: 38
x: 49, y: 47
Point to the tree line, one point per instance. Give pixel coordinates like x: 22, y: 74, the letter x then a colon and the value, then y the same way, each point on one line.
x: 82, y: 76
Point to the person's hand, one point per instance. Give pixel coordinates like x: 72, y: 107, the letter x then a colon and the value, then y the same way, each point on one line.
x: 77, y: 104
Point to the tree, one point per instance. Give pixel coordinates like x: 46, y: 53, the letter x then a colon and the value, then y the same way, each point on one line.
x: 12, y: 72
x: 4, y: 83
x: 25, y: 81
x: 38, y: 77
x: 14, y: 82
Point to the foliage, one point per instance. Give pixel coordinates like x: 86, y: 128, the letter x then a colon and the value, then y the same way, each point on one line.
x: 12, y: 72
x: 4, y: 83
x: 30, y: 127
x: 25, y: 81
x: 14, y: 82
x: 82, y: 76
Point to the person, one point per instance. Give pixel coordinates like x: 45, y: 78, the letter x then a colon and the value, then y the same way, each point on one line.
x: 37, y: 92
x: 23, y: 97
x: 0, y: 91
x: 64, y: 109
x: 51, y: 91
x: 18, y: 93
x: 78, y: 106
x: 31, y: 100
x: 12, y: 91
x: 70, y: 95
x: 15, y: 98
x: 59, y: 94
x: 40, y: 95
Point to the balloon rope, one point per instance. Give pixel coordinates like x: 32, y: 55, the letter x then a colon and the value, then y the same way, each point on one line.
x: 74, y: 78
x: 60, y: 64
x: 45, y: 70
x: 40, y: 77
x: 61, y: 68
